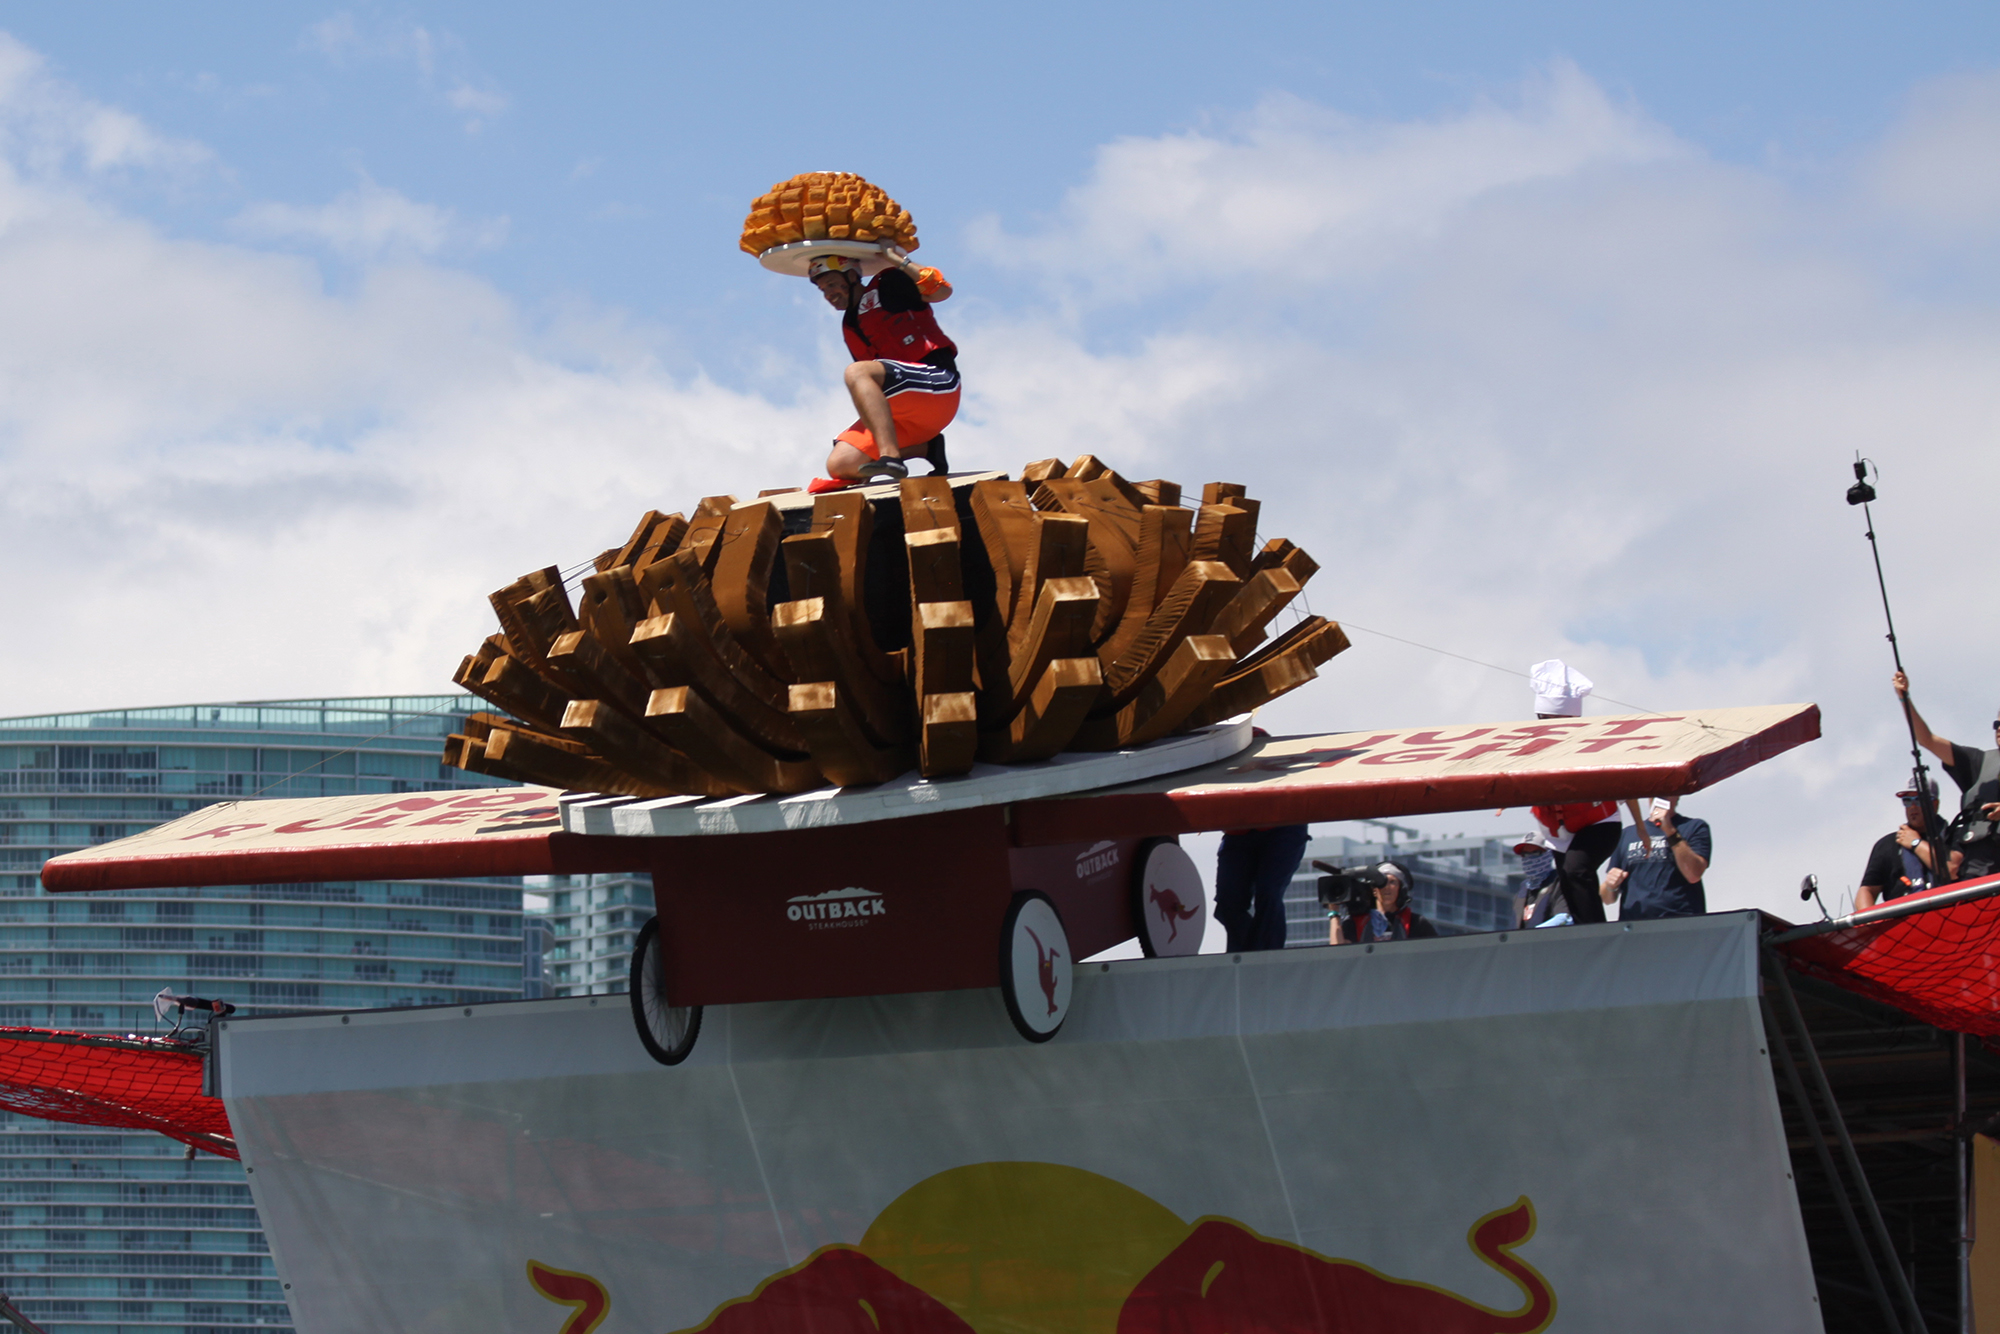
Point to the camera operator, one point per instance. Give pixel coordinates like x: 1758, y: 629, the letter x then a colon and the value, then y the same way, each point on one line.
x: 1371, y: 904
x: 1974, y: 838
x: 1902, y: 862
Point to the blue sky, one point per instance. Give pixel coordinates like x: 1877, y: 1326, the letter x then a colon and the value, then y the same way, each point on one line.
x: 1549, y: 329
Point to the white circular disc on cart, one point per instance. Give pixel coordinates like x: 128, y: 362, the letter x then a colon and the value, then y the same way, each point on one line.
x: 793, y: 257
x: 1171, y: 907
x: 1036, y: 971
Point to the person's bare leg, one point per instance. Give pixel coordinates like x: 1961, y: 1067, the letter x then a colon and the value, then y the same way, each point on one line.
x: 864, y: 386
x: 845, y: 462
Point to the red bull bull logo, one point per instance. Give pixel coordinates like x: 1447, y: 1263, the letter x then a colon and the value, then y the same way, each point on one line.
x: 566, y: 1287
x: 995, y: 1247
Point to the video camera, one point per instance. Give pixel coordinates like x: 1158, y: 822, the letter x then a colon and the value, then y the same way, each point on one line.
x: 1349, y: 892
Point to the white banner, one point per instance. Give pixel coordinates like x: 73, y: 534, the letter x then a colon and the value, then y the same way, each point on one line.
x: 1571, y: 1129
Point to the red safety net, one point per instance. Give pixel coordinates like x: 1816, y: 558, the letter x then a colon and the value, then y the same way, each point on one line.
x: 132, y: 1083
x: 1941, y: 964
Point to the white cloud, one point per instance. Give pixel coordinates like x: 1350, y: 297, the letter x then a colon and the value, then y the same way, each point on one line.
x: 47, y: 127
x: 370, y: 222
x: 1940, y: 168
x: 1535, y: 379
x: 444, y: 67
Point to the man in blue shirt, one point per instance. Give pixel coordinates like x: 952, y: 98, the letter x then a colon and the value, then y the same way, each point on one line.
x: 1664, y: 880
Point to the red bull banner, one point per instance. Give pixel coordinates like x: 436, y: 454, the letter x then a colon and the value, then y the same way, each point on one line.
x: 1556, y: 1130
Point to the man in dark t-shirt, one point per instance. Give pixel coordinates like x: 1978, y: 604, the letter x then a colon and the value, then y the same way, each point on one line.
x: 1900, y: 862
x: 1975, y: 850
x: 1663, y: 880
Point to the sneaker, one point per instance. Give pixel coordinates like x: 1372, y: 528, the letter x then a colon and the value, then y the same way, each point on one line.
x: 884, y: 470
x: 934, y: 455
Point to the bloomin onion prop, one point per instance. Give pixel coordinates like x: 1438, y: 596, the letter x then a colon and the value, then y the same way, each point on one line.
x: 826, y: 206
x: 783, y: 644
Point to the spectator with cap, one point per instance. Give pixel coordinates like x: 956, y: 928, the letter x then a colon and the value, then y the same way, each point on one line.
x: 1392, y: 918
x: 1974, y: 844
x: 1582, y: 834
x: 1903, y: 862
x: 1657, y: 869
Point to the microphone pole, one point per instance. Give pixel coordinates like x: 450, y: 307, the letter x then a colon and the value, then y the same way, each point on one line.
x: 1863, y: 494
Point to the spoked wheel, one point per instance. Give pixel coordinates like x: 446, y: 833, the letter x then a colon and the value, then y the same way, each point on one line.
x: 667, y: 1031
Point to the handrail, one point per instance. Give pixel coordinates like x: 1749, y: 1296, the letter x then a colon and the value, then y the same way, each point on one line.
x: 1901, y: 908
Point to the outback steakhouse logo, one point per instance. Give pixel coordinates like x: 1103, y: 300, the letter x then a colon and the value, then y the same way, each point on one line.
x: 1096, y: 858
x: 836, y: 908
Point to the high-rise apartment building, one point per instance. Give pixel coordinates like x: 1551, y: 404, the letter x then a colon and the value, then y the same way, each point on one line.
x: 592, y: 921
x: 108, y: 1230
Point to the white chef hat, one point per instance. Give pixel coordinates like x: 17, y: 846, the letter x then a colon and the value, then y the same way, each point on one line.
x: 1559, y: 688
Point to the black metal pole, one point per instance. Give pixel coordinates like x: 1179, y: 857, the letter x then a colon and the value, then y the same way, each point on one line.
x: 1783, y: 1047
x: 1853, y: 1159
x: 1861, y: 494
x: 1961, y: 1139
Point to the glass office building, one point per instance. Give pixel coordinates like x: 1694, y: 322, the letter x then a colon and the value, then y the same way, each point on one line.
x: 1462, y: 884
x: 592, y: 922
x: 104, y: 1230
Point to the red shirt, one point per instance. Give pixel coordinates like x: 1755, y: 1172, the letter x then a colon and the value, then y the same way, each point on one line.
x: 893, y: 322
x: 1576, y: 816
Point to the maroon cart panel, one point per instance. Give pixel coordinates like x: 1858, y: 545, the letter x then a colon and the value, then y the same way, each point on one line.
x: 857, y: 910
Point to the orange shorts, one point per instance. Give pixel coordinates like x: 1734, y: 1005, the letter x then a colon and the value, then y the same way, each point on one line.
x: 918, y: 404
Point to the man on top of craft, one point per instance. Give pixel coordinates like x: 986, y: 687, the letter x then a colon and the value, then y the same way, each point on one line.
x: 836, y: 229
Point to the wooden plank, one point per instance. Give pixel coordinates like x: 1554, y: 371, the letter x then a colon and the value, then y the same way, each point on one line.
x: 813, y: 570
x: 815, y: 640
x: 1221, y: 493
x: 1061, y: 541
x: 1254, y: 689
x: 1280, y: 553
x: 1309, y: 630
x: 1062, y: 698
x: 949, y: 740
x: 1243, y: 621
x: 1167, y: 701
x: 664, y: 540
x: 1165, y: 537
x: 742, y: 579
x: 1060, y: 628
x: 585, y: 659
x: 608, y: 606
x: 927, y: 504
x: 521, y: 692
x: 1159, y: 491
x: 935, y: 572
x: 840, y: 747
x: 553, y: 766
x: 1041, y: 470
x: 676, y: 653
x: 1006, y: 526
x: 1115, y: 525
x: 704, y: 531
x: 1086, y: 467
x: 641, y: 534
x: 849, y: 520
x: 617, y: 736
x: 685, y: 591
x: 472, y: 757
x: 507, y: 603
x: 1224, y: 533
x: 944, y: 644
x: 1189, y: 608
x: 685, y: 719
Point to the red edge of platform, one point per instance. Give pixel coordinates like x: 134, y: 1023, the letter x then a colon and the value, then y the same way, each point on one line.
x: 1191, y: 811
x: 538, y: 853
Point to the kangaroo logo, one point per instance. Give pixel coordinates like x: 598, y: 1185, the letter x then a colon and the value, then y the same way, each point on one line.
x: 1172, y: 911
x: 1045, y: 968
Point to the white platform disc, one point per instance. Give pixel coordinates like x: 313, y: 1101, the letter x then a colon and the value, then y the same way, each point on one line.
x: 1038, y: 978
x: 912, y: 794
x: 793, y: 257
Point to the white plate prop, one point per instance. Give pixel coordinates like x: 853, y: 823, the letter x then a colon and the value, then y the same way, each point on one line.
x: 1168, y: 902
x: 1035, y: 966
x: 791, y: 259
